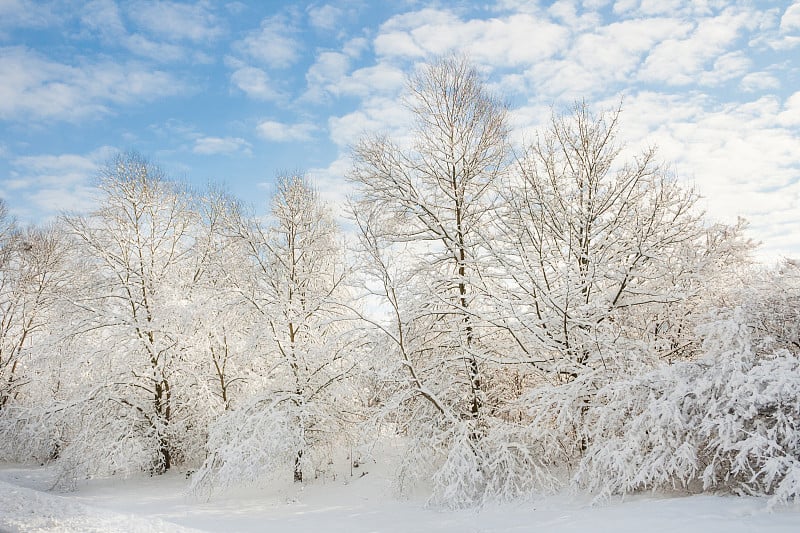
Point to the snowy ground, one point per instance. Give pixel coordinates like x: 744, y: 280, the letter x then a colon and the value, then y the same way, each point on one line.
x: 355, y: 504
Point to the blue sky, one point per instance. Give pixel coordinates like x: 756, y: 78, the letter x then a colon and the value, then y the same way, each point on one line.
x: 239, y: 92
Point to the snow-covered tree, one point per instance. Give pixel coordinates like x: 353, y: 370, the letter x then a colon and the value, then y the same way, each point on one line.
x: 34, y: 277
x: 435, y: 196
x: 595, y: 252
x: 503, y: 282
x: 136, y: 250
x: 425, y: 214
x: 296, y: 294
x: 31, y: 274
x: 604, y: 268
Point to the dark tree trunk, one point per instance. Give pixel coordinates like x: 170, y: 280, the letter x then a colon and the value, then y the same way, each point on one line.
x: 298, y: 469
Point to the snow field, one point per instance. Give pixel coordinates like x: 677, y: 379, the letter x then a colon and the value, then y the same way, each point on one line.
x: 358, y: 504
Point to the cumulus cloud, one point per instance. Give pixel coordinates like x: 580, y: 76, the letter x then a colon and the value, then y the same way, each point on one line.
x: 377, y: 114
x: 599, y: 59
x: 255, y: 83
x: 634, y: 8
x: 494, y: 41
x: 759, y: 81
x: 35, y: 87
x: 327, y: 70
x: 331, y: 184
x: 681, y: 61
x: 704, y: 80
x: 739, y: 155
x: 275, y: 131
x: 221, y: 145
x: 382, y: 78
x: 790, y: 21
x: 325, y: 17
x: 273, y: 44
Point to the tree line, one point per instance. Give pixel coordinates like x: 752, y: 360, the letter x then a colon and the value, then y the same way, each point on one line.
x: 517, y: 318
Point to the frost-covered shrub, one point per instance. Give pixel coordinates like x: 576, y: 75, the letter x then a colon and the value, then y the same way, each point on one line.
x: 728, y: 421
x: 463, y: 465
x: 249, y: 445
x: 28, y: 435
x: 106, y: 439
x: 266, y: 439
x: 82, y: 438
x: 558, y: 416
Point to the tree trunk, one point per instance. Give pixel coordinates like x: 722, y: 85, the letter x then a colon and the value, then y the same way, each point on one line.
x: 298, y: 469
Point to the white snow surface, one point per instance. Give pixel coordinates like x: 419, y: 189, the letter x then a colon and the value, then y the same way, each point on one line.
x: 354, y: 504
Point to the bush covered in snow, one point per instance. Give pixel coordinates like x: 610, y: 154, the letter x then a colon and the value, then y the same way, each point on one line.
x: 730, y: 420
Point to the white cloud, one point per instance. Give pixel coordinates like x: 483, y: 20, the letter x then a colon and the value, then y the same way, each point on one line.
x: 164, y: 52
x: 493, y: 42
x: 26, y: 14
x: 726, y: 67
x: 681, y: 61
x: 329, y: 68
x: 638, y: 8
x: 595, y: 4
x: 220, y: 145
x: 325, y: 17
x: 567, y: 12
x: 78, y: 199
x: 51, y: 183
x: 104, y: 18
x: 790, y: 21
x: 275, y: 131
x: 35, y: 87
x: 255, y: 83
x: 177, y: 21
x: 332, y: 186
x: 741, y: 156
x: 355, y: 46
x: 57, y: 169
x: 379, y: 79
x: 272, y: 45
x: 759, y: 81
x: 789, y: 116
x: 599, y: 59
x: 377, y: 114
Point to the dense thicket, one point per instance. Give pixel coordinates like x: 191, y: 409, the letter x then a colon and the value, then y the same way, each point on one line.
x: 517, y: 317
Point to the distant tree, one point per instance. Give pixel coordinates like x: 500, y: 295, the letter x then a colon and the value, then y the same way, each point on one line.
x: 31, y: 274
x: 220, y: 324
